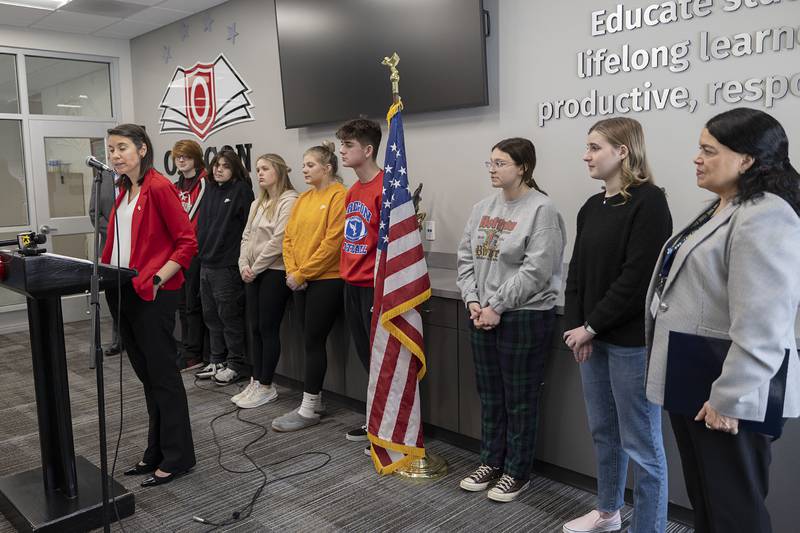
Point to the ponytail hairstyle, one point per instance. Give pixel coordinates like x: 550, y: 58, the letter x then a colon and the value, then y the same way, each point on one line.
x: 761, y: 136
x: 138, y: 136
x: 267, y: 202
x: 623, y: 131
x: 232, y: 158
x: 523, y: 153
x: 325, y: 154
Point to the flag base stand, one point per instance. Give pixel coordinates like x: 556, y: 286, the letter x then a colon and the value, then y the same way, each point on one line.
x: 430, y: 467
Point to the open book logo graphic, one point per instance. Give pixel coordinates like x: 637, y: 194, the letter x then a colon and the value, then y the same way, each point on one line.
x: 204, y: 99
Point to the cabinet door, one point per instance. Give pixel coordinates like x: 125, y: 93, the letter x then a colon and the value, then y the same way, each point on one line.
x: 439, y: 387
x: 469, y: 404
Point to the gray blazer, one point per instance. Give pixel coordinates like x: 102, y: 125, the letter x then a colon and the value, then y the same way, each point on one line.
x: 735, y: 278
x: 105, y: 204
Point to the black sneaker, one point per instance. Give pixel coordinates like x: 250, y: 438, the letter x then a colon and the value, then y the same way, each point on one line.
x: 507, y: 489
x: 481, y: 478
x: 358, y: 434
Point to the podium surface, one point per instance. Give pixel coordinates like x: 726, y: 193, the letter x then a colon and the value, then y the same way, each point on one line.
x: 65, y: 493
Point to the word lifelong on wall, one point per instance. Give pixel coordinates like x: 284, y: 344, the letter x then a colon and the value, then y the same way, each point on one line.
x: 677, y: 57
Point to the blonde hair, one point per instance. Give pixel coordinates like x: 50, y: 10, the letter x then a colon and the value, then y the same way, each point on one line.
x: 325, y: 153
x: 265, y: 200
x: 625, y: 131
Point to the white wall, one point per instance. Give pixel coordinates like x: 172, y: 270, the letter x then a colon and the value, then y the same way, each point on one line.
x: 532, y: 58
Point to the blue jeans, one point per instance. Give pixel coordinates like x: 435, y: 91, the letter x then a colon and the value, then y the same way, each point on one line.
x: 624, y: 424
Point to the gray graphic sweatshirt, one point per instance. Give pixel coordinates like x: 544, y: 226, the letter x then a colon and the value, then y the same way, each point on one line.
x: 511, y: 255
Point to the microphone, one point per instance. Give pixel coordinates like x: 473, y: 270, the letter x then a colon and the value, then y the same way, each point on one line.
x: 94, y: 163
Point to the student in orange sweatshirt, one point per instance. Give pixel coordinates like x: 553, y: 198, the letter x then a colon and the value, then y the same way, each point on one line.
x: 311, y: 248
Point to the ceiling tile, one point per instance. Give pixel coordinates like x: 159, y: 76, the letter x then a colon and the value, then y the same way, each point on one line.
x: 158, y: 15
x: 191, y: 6
x: 74, y: 22
x: 126, y: 29
x: 108, y: 8
x: 21, y: 16
x: 145, y: 2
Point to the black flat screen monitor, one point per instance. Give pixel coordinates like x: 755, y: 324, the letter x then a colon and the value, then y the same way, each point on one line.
x: 331, y: 52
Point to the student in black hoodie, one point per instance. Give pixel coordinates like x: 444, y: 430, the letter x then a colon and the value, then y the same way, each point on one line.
x: 223, y: 215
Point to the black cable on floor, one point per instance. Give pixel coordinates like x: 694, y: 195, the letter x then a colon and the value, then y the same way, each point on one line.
x: 121, y: 400
x: 245, y: 511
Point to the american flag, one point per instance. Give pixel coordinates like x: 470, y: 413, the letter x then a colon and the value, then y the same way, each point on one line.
x: 401, y: 284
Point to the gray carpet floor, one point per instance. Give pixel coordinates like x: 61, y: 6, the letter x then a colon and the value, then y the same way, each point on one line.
x: 344, y: 495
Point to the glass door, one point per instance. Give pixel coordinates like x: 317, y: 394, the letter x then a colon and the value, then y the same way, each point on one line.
x: 63, y: 189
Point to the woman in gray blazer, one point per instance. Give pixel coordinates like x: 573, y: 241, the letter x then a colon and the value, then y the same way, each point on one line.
x: 720, y: 326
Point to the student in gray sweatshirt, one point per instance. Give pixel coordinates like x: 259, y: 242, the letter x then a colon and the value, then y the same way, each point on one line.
x: 509, y: 274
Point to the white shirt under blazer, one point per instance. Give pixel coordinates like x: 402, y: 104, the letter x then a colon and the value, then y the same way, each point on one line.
x: 736, y: 278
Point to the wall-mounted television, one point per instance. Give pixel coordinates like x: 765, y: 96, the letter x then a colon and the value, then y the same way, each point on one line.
x: 331, y: 52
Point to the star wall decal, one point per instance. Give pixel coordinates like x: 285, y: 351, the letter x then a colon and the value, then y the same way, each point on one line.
x: 232, y: 33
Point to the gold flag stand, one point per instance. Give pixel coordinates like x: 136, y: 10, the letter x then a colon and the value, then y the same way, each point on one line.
x: 432, y: 466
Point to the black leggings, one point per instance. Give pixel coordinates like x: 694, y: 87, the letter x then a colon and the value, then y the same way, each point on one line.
x: 317, y: 308
x: 266, y: 302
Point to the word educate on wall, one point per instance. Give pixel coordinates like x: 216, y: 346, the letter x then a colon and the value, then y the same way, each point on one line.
x: 242, y: 150
x: 676, y: 58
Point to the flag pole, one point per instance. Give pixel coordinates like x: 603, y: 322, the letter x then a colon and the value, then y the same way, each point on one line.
x: 432, y: 466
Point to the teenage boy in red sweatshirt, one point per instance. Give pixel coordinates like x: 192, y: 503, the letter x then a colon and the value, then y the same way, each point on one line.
x: 360, y: 140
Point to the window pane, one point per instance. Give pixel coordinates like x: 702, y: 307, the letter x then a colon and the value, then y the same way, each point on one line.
x: 14, y: 197
x: 8, y: 297
x: 68, y: 87
x: 9, y: 101
x: 69, y: 180
x: 78, y: 245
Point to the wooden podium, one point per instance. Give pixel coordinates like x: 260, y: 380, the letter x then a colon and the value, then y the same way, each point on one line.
x: 65, y: 494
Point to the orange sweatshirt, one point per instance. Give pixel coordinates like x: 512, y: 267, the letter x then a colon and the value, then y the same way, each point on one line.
x: 314, y: 234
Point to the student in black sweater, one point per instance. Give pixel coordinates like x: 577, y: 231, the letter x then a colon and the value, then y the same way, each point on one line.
x: 620, y: 234
x: 223, y: 215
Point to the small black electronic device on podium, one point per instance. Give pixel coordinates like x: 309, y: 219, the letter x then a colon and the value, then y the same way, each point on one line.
x: 66, y: 493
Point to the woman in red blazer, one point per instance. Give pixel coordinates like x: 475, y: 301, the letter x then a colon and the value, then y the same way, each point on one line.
x: 150, y: 232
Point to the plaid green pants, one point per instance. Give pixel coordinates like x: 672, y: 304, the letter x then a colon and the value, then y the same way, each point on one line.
x: 509, y: 369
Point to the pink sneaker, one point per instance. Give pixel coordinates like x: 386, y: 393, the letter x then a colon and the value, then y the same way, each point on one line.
x: 592, y: 522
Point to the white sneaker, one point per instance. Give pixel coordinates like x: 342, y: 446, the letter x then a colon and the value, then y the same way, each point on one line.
x: 226, y: 376
x: 244, y: 392
x: 209, y: 371
x: 258, y: 396
x: 593, y: 522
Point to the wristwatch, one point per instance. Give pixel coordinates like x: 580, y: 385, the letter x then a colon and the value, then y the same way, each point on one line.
x: 157, y: 281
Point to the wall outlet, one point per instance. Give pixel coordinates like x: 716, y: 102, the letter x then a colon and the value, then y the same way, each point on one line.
x: 430, y: 230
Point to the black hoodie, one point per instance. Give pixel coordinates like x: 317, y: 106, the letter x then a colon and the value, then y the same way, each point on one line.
x: 223, y: 215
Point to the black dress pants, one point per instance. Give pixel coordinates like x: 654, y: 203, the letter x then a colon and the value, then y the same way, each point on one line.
x: 727, y: 477
x: 146, y: 329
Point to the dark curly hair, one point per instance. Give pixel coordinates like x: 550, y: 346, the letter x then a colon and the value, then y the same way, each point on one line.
x: 761, y: 136
x: 238, y: 169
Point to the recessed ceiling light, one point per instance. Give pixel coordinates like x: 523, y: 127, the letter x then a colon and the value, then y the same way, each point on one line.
x: 50, y: 5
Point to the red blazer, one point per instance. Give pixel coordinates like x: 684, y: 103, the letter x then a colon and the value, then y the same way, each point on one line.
x: 160, y: 231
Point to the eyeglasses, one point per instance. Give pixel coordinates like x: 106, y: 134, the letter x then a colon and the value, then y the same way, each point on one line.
x: 181, y: 157
x: 497, y: 164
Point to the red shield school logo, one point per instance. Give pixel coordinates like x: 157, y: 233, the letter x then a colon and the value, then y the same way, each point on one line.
x: 204, y: 99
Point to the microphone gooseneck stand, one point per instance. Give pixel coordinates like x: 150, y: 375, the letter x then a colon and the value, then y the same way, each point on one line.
x: 96, y: 351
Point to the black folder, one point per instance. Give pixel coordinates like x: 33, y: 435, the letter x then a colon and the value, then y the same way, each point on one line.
x: 694, y: 362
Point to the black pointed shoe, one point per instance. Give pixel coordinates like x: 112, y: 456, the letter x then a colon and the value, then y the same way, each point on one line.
x: 139, y: 469
x: 155, y: 480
